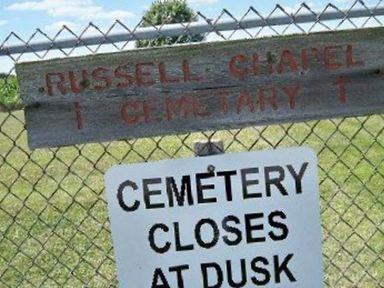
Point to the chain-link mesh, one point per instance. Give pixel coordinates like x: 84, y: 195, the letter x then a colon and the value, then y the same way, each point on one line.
x: 54, y: 228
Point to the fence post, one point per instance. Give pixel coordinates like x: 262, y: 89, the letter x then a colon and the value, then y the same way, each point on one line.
x: 207, y: 148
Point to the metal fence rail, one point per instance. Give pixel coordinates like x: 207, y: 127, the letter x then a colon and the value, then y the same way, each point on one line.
x: 303, y: 15
x: 54, y: 228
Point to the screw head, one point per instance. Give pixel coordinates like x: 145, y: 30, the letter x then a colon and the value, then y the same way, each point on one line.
x: 211, y: 168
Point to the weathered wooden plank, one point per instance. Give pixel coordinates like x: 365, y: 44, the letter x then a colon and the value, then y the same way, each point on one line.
x: 180, y: 89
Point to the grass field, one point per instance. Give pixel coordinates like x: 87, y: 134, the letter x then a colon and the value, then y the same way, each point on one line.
x: 54, y: 229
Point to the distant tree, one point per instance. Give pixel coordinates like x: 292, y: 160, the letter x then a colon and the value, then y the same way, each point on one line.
x: 168, y: 12
x: 9, y: 92
x: 3, y: 75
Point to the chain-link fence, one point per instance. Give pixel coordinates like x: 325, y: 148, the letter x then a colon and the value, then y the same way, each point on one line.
x: 54, y: 229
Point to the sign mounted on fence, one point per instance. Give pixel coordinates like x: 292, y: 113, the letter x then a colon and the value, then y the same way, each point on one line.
x: 249, y: 220
x: 196, y: 87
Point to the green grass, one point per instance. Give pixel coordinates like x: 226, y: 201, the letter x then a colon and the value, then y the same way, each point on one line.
x: 9, y: 93
x: 54, y: 229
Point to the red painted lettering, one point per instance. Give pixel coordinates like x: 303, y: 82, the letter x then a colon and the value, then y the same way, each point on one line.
x: 271, y: 59
x: 59, y: 84
x: 342, y: 82
x: 188, y: 77
x: 351, y: 62
x: 122, y: 73
x: 256, y: 64
x: 133, y: 106
x: 287, y: 59
x: 199, y: 110
x: 304, y: 59
x: 149, y: 109
x: 271, y: 98
x: 143, y: 76
x: 330, y: 57
x: 292, y: 92
x: 76, y: 86
x: 245, y: 100
x: 164, y: 79
x: 79, y: 117
x: 224, y: 105
x: 181, y: 107
x: 238, y: 72
x: 100, y: 75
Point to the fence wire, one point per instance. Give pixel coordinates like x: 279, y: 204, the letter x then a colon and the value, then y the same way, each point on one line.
x: 54, y: 228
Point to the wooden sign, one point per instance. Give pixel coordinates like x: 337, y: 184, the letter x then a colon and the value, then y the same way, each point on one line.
x: 253, y: 222
x: 159, y: 91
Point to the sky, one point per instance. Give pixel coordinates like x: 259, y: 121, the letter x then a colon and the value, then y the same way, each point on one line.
x: 23, y: 17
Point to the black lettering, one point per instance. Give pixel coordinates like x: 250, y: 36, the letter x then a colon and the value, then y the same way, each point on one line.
x: 200, y: 188
x: 158, y: 275
x: 283, y: 267
x: 173, y: 191
x: 279, y: 225
x: 260, y: 270
x: 232, y: 230
x: 151, y: 238
x: 120, y: 197
x: 274, y: 181
x: 219, y: 275
x: 148, y: 193
x: 243, y: 273
x: 298, y: 176
x: 249, y: 227
x: 245, y: 183
x: 215, y: 229
x: 179, y: 273
x: 179, y: 246
x: 227, y: 180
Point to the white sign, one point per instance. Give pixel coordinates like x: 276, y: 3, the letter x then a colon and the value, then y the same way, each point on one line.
x: 236, y: 220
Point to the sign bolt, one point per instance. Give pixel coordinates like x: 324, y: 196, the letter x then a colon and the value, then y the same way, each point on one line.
x: 211, y: 168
